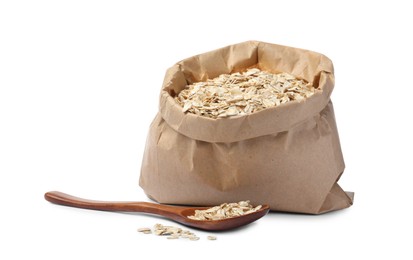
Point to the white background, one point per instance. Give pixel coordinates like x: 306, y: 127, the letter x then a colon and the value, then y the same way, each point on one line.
x: 79, y: 85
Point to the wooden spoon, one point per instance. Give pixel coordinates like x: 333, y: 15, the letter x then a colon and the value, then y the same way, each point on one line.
x: 176, y: 213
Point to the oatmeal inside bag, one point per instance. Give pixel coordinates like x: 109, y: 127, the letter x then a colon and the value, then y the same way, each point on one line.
x: 275, y: 147
x: 242, y: 93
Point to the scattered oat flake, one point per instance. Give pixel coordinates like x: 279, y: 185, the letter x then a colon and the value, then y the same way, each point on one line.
x: 170, y: 232
x: 211, y: 237
x: 242, y: 93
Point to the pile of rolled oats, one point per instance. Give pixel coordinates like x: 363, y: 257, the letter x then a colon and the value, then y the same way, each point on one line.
x: 172, y: 232
x: 243, y: 93
x: 225, y: 210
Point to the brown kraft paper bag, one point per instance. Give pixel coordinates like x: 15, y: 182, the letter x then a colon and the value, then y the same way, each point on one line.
x: 288, y: 156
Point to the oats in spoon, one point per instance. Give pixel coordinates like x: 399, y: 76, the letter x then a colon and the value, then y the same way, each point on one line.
x: 225, y: 210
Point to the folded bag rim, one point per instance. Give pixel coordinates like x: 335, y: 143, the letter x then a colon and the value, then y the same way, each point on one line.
x: 270, y: 57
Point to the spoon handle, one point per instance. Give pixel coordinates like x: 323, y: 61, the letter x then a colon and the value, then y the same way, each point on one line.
x: 146, y: 207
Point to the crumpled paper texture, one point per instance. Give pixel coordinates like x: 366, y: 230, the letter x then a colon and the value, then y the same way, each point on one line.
x: 288, y: 157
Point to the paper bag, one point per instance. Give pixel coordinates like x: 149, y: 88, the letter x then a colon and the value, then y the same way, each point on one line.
x: 288, y: 156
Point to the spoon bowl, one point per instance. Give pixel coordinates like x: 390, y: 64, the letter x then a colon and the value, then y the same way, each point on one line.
x: 176, y: 213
